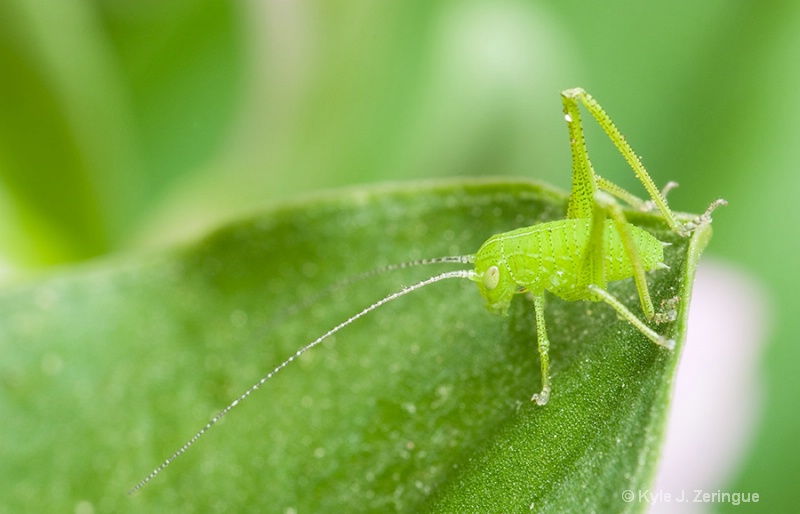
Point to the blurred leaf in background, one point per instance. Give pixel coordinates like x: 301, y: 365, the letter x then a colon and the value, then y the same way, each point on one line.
x: 105, y: 106
x: 123, y: 125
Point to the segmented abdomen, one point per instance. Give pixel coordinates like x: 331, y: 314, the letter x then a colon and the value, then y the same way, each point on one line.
x: 550, y: 255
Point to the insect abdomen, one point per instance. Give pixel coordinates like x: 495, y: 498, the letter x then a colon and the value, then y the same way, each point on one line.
x: 550, y: 256
x: 546, y: 256
x: 617, y: 263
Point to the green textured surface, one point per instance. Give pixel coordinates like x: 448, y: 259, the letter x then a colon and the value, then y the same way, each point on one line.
x: 107, y: 368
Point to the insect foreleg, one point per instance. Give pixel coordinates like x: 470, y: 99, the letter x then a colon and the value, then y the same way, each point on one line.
x: 631, y: 318
x: 544, y: 349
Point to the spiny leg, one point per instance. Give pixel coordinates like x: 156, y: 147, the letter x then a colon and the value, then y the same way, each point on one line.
x: 630, y: 198
x: 593, y: 260
x: 622, y: 194
x: 570, y: 98
x: 544, y: 349
x: 631, y: 318
x: 624, y: 229
x: 593, y: 268
x: 593, y: 272
x: 584, y: 186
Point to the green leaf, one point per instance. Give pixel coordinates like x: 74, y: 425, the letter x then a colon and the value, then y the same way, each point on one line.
x: 105, y: 105
x: 423, y: 405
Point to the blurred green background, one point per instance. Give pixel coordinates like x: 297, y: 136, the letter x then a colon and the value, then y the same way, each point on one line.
x: 129, y: 125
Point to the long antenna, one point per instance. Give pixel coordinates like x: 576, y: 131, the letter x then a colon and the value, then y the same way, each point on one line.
x: 449, y: 274
x: 311, y: 300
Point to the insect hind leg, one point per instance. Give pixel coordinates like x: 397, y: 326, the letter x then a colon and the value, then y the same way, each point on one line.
x: 623, y: 228
x: 631, y: 318
x: 571, y: 99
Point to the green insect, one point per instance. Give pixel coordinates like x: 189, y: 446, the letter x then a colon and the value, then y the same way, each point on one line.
x: 574, y: 258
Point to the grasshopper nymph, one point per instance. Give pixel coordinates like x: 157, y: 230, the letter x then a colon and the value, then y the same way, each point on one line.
x: 574, y: 258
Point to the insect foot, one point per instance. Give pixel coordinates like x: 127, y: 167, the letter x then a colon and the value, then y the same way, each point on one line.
x: 705, y: 218
x: 542, y: 397
x: 669, y: 344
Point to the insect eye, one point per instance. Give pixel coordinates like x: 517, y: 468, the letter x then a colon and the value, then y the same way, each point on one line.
x: 491, y: 278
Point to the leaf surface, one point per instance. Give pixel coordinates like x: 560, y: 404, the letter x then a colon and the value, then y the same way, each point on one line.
x: 423, y: 405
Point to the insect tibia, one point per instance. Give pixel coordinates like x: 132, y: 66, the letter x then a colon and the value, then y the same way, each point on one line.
x: 468, y: 274
x: 631, y: 318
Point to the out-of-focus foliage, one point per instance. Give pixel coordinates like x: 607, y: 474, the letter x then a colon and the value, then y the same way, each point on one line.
x: 124, y: 124
x: 104, y: 108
